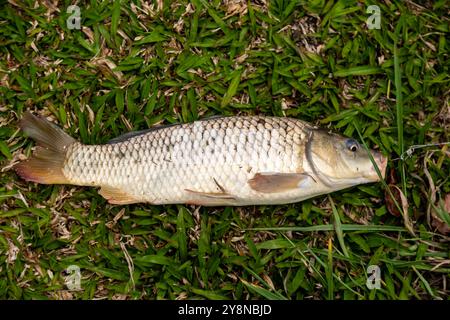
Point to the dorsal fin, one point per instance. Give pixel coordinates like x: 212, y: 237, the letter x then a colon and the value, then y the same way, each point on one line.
x: 213, y: 117
x: 128, y: 135
x: 133, y: 134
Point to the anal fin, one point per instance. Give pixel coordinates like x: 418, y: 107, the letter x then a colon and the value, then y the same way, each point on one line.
x: 116, y: 196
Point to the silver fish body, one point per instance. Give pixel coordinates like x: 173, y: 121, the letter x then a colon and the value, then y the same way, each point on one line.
x: 237, y: 161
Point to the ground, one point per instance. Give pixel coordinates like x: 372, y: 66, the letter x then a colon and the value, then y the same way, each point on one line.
x: 137, y: 63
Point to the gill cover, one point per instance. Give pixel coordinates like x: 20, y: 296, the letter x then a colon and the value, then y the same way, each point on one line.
x: 340, y: 161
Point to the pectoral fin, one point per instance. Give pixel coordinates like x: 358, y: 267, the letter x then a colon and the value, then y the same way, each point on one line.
x: 276, y: 182
x: 116, y: 196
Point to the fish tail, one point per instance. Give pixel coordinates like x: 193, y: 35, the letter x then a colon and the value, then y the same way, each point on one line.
x: 46, y: 164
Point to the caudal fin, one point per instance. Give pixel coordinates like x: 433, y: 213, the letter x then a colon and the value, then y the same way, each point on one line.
x: 46, y: 164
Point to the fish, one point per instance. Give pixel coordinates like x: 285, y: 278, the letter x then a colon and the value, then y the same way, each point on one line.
x: 218, y: 161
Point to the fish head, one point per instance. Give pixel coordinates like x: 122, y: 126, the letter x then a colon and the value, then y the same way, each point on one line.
x: 342, y: 161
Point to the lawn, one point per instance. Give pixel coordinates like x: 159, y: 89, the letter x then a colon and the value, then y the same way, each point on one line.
x: 134, y: 64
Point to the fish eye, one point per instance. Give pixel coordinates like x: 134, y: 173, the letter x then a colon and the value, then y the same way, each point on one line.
x: 352, y: 145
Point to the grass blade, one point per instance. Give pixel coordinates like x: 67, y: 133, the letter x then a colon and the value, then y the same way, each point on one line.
x: 209, y: 294
x: 358, y: 71
x: 338, y: 228
x: 329, y: 270
x: 263, y: 292
x: 232, y: 89
x: 115, y: 17
x: 399, y: 108
x: 330, y: 227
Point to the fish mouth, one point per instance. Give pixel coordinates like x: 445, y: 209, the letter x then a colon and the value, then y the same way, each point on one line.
x: 381, y: 163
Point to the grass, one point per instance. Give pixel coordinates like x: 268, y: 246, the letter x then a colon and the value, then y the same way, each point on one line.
x: 137, y: 64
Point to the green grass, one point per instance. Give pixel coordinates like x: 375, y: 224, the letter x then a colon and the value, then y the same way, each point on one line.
x: 133, y: 66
